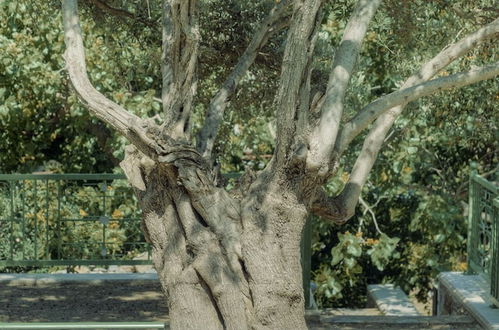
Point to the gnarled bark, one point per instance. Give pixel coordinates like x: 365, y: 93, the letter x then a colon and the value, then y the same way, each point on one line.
x: 234, y: 263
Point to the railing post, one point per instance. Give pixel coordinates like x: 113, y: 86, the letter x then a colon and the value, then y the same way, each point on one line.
x: 47, y: 224
x: 58, y: 220
x: 494, y: 271
x: 12, y: 217
x: 471, y: 209
x: 35, y: 218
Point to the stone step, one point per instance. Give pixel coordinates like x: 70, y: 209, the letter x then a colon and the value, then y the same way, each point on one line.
x: 390, y: 300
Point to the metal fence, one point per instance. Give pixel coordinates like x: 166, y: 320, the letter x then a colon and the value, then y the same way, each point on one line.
x: 483, y: 232
x: 69, y: 219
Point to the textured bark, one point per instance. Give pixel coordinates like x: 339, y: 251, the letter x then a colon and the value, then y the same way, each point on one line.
x: 293, y: 95
x: 233, y: 261
x: 179, y: 62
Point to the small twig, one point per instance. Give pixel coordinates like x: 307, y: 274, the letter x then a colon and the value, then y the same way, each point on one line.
x: 148, y: 9
x: 368, y: 208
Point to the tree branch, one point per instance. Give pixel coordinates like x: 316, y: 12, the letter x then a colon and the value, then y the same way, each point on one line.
x: 428, y: 70
x: 374, y: 140
x: 372, y: 144
x: 404, y: 96
x: 104, y: 6
x: 292, y: 95
x: 324, y: 135
x: 329, y: 208
x: 103, y: 108
x: 179, y: 61
x: 214, y: 116
x: 136, y: 130
x: 369, y: 209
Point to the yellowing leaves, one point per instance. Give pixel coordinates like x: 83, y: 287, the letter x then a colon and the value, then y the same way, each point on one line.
x: 461, y: 267
x: 407, y: 170
x: 83, y: 213
x: 26, y: 158
x: 371, y: 241
x: 384, y: 176
x: 117, y: 214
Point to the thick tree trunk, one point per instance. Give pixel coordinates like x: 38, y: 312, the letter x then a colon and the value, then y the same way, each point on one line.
x: 273, y: 220
x: 224, y: 263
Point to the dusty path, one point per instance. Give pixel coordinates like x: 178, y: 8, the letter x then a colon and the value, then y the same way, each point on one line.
x: 112, y: 301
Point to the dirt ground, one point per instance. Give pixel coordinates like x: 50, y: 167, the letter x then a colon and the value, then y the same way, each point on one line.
x: 116, y: 301
x: 121, y: 301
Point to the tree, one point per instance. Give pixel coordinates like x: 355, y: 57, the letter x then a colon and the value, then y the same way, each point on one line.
x: 232, y: 258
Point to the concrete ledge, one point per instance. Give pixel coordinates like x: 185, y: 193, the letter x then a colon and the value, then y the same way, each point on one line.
x: 472, y: 292
x: 44, y: 279
x: 390, y: 300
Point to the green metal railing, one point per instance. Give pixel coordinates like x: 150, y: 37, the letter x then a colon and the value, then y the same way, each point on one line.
x: 483, y: 232
x: 69, y: 219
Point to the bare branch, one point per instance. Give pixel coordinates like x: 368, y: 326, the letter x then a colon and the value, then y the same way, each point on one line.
x: 136, y: 130
x: 324, y: 135
x: 292, y: 95
x: 103, y: 108
x: 374, y: 140
x: 369, y: 209
x: 269, y: 26
x: 428, y: 70
x: 178, y: 64
x: 404, y: 96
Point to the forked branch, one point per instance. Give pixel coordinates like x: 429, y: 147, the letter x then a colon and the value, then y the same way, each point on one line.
x: 409, y: 94
x: 103, y: 108
x: 365, y: 116
x: 129, y: 125
x: 372, y: 144
x: 214, y: 116
x: 374, y: 140
x: 324, y: 135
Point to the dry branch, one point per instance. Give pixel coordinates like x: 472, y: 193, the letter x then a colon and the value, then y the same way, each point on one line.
x: 178, y: 64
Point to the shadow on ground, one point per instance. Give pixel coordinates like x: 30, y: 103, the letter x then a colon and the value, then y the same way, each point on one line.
x: 116, y: 301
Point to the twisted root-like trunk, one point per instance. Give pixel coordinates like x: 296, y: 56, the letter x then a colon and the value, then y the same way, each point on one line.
x: 223, y: 262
